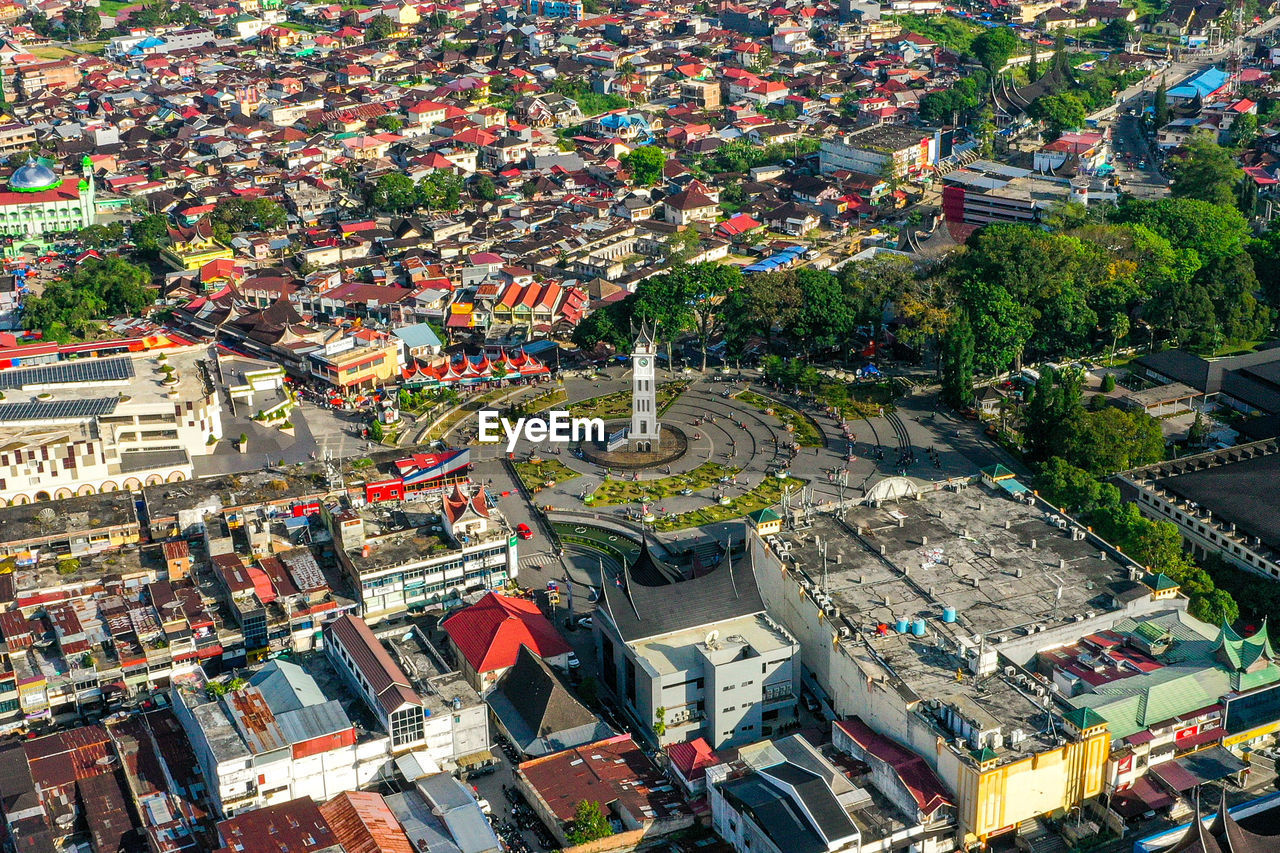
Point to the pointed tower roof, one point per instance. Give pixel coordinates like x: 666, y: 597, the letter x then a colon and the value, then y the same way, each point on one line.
x: 646, y: 335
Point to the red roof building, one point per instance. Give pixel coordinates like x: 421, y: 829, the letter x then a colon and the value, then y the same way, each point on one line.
x: 362, y: 823
x: 488, y: 635
x: 690, y: 759
x: 918, y: 792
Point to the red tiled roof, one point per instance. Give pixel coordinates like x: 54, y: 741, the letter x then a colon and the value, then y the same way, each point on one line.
x: 916, y: 775
x: 692, y: 758
x: 490, y: 632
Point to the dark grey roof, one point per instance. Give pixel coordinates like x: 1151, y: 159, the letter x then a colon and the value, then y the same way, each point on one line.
x: 1242, y: 492
x: 655, y: 599
x: 831, y: 818
x: 774, y: 813
x: 1178, y: 366
x: 539, y: 712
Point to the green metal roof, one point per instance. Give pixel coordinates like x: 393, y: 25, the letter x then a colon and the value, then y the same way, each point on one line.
x: 1084, y: 718
x: 1160, y: 581
x: 984, y: 755
x: 762, y: 515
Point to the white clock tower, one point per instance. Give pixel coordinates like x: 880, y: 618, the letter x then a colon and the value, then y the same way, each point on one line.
x: 644, y: 434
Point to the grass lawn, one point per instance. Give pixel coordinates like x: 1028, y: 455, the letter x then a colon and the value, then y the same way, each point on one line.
x: 463, y: 411
x: 618, y: 404
x: 535, y: 474
x: 801, y: 428
x: 766, y: 494
x: 613, y: 491
x: 50, y: 51
x: 555, y: 398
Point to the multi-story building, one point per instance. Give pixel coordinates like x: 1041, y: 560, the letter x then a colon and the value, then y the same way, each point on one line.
x: 923, y: 616
x: 273, y: 740
x: 1223, y: 502
x: 985, y: 192
x: 894, y: 151
x: 428, y: 551
x: 696, y: 656
x: 349, y: 365
x: 449, y: 723
x: 104, y: 424
x: 37, y: 200
x: 784, y: 797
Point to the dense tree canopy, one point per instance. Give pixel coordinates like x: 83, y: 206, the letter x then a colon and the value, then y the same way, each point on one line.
x: 96, y: 290
x: 645, y: 164
x: 1205, y: 171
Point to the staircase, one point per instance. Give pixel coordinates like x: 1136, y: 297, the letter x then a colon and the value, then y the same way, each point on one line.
x: 1034, y: 836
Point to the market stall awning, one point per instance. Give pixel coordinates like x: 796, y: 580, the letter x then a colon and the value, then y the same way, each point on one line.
x: 1187, y: 772
x: 1143, y: 797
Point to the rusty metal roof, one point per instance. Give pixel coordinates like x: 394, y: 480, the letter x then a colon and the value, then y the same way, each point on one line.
x: 363, y: 823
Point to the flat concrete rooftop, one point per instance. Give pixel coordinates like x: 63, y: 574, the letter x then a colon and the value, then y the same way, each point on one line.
x: 1019, y: 580
x: 1002, y: 564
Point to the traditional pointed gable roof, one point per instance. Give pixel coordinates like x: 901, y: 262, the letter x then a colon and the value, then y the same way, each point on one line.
x: 457, y: 505
x: 1244, y: 655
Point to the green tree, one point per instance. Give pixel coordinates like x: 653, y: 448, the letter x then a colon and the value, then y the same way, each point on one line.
x: 1117, y: 327
x: 1243, y: 131
x: 1118, y: 32
x: 957, y: 363
x: 589, y: 824
x: 379, y: 28
x: 94, y: 291
x: 1265, y: 251
x: 376, y: 432
x: 1206, y: 171
x: 1108, y: 383
x: 664, y: 301
x: 645, y: 164
x: 994, y: 47
x: 708, y: 286
x: 390, y: 122
x: 483, y: 188
x: 392, y: 192
x: 1113, y: 439
x: 609, y: 325
x: 151, y: 233
x: 439, y: 191
x: 1059, y: 112
x: 246, y: 214
x: 1160, y: 105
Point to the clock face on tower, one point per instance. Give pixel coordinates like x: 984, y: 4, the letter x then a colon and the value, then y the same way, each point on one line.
x: 644, y: 362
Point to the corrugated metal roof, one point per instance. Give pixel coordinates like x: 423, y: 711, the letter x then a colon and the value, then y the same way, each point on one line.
x: 250, y: 713
x: 362, y: 823
x: 313, y: 721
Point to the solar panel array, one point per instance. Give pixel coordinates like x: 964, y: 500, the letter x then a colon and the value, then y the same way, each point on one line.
x: 37, y: 410
x: 69, y: 372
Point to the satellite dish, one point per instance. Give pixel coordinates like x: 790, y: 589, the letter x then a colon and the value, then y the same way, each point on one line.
x: 713, y: 637
x: 106, y: 760
x: 65, y: 819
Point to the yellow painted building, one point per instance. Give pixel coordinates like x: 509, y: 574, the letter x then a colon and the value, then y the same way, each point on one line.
x: 996, y: 797
x: 192, y: 248
x: 359, y: 367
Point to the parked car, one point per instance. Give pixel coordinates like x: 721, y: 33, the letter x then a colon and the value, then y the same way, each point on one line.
x: 585, y: 622
x: 523, y: 531
x: 574, y: 663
